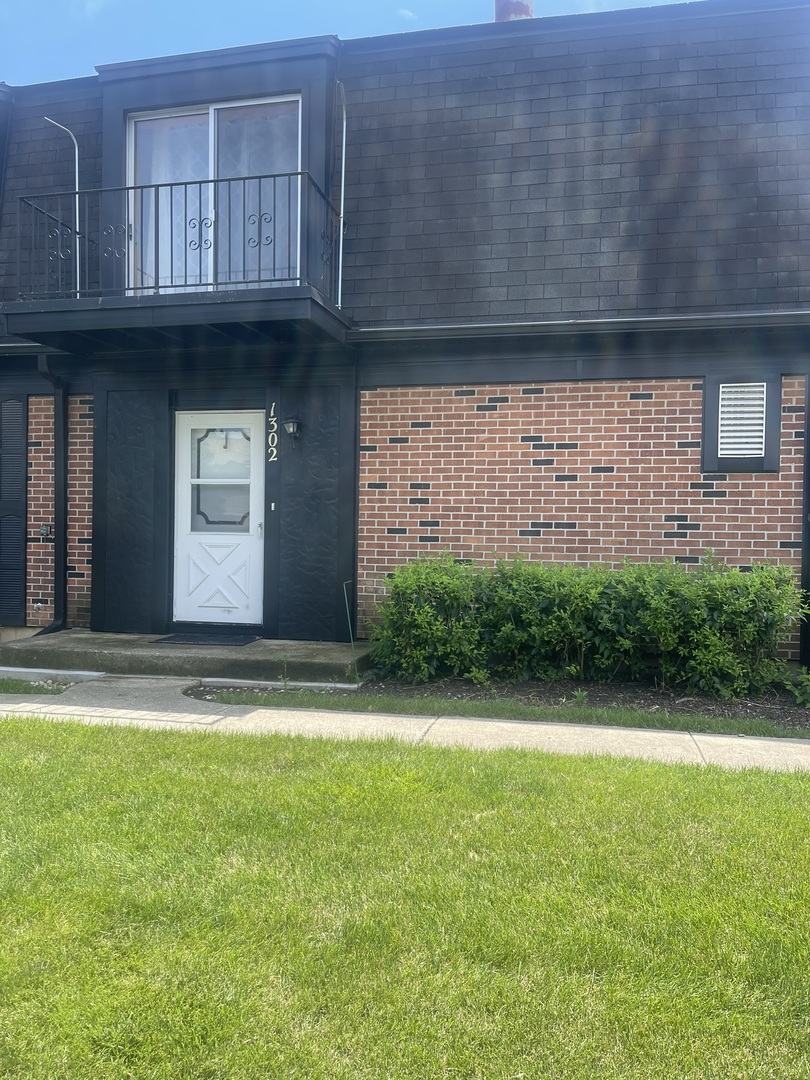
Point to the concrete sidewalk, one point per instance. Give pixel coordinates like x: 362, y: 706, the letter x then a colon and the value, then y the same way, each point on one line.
x: 152, y: 702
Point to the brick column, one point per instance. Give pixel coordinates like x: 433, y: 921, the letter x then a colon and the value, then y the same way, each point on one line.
x: 39, y: 571
x: 80, y: 509
x: 40, y: 513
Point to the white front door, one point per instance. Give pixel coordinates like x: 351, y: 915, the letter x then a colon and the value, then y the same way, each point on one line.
x: 218, y: 524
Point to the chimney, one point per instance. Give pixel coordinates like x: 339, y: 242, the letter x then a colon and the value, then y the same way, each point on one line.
x: 509, y: 10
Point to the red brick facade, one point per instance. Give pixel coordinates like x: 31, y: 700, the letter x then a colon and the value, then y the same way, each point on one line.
x: 588, y: 472
x: 40, y: 563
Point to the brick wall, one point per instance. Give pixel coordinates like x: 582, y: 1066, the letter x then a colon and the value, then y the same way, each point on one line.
x: 39, y: 589
x: 573, y: 472
x: 80, y: 509
x: 40, y: 562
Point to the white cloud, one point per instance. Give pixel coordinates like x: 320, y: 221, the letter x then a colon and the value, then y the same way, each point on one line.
x: 404, y: 13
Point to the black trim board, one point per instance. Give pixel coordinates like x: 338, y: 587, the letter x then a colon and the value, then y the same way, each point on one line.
x: 98, y: 594
x: 253, y: 397
x: 163, y: 521
x: 273, y: 405
x: 773, y: 425
x: 585, y: 356
x: 348, y: 512
x: 176, y: 323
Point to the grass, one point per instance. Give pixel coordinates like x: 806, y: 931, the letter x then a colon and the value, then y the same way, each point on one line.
x: 208, y: 907
x: 28, y: 686
x: 497, y: 708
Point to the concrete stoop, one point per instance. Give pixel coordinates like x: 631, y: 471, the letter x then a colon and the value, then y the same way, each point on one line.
x: 142, y: 654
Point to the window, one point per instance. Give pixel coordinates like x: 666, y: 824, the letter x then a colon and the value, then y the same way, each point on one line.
x: 215, y: 196
x: 741, y: 422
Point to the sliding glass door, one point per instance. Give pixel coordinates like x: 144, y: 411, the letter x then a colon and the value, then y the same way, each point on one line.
x: 215, y: 197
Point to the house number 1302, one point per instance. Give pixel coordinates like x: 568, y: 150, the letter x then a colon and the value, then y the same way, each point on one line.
x: 272, y: 434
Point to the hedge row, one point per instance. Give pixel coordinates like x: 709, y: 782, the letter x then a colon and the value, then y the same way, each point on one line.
x: 713, y: 628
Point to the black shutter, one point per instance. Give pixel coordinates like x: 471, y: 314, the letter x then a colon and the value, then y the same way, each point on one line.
x: 12, y: 510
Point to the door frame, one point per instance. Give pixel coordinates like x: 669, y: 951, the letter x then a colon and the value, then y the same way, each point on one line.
x: 257, y: 498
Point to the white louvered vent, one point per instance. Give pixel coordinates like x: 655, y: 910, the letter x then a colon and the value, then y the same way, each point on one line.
x: 741, y: 428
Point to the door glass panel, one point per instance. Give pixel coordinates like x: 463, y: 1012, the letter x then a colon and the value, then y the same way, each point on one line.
x: 173, y: 232
x: 257, y: 198
x: 220, y: 454
x: 220, y: 508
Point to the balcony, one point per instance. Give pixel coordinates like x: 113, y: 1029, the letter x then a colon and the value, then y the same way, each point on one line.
x: 251, y: 251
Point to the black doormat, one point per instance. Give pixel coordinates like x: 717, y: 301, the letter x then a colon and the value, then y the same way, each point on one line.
x: 207, y: 639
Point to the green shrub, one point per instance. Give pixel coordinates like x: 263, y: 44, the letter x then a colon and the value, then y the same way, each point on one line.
x: 428, y: 621
x: 799, y: 686
x: 714, y: 629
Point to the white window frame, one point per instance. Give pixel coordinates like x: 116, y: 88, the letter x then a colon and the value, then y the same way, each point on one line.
x: 768, y: 459
x: 742, y: 419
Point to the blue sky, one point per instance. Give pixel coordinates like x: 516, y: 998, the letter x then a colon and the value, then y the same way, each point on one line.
x: 62, y: 39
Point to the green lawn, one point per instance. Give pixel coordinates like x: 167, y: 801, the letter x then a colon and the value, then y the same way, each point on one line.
x: 503, y: 708
x: 203, y: 906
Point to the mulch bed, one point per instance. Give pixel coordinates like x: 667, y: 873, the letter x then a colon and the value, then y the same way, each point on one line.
x: 777, y: 706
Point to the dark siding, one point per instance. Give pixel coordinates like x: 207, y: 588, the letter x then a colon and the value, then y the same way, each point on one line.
x: 635, y: 163
x: 310, y: 517
x: 12, y: 510
x: 5, y: 120
x: 40, y: 156
x: 132, y: 467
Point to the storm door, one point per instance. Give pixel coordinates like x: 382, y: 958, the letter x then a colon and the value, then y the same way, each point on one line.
x: 219, y: 527
x: 215, y: 196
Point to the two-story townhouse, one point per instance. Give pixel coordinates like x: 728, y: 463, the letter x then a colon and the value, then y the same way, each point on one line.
x: 314, y: 308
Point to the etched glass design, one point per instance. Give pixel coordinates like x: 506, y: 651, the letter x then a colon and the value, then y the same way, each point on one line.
x: 221, y: 508
x: 220, y: 456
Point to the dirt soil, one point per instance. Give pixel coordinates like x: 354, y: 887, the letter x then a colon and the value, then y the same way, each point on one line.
x: 777, y: 706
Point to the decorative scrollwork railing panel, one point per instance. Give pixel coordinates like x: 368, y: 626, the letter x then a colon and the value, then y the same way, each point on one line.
x: 229, y: 234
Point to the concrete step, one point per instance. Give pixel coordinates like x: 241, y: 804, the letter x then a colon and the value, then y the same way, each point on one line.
x: 142, y: 654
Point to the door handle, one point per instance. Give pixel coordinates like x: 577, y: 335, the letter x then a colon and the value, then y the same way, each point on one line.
x: 260, y: 529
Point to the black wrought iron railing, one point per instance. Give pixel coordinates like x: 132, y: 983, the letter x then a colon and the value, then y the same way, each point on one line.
x: 242, y: 233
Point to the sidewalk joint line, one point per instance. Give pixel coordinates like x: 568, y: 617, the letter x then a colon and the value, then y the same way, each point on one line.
x: 428, y: 730
x: 697, y: 747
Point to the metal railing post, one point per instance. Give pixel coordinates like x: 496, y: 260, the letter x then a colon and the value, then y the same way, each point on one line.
x: 257, y: 231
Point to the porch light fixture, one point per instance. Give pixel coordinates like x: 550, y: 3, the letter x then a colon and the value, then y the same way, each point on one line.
x: 293, y: 428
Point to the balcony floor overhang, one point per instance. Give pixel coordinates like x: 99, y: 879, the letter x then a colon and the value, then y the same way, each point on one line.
x: 214, y: 319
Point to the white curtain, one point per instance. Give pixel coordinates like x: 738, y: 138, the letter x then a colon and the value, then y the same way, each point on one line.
x: 234, y: 229
x: 173, y: 234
